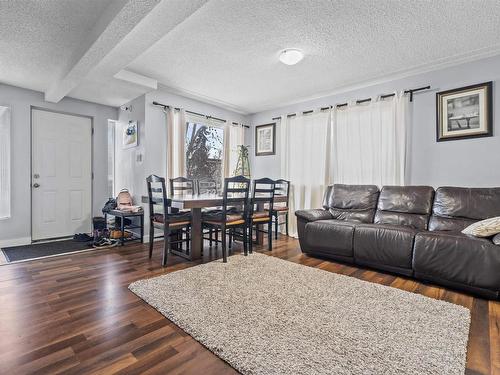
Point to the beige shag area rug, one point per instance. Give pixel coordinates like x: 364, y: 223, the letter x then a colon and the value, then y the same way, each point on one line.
x: 265, y: 315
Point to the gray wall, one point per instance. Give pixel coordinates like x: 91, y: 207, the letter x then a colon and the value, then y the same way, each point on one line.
x: 18, y: 227
x: 473, y: 162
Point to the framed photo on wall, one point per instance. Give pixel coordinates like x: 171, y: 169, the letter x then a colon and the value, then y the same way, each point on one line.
x: 463, y: 113
x: 265, y: 139
x: 130, y: 135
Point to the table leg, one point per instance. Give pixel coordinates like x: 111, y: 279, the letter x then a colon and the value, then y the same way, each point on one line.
x: 142, y: 228
x: 196, y: 234
x: 122, y: 229
x: 258, y: 234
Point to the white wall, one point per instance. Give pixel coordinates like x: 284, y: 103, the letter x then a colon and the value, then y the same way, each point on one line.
x: 129, y: 171
x: 473, y: 162
x: 17, y: 229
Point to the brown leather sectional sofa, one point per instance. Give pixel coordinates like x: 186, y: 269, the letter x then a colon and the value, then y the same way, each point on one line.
x: 408, y: 230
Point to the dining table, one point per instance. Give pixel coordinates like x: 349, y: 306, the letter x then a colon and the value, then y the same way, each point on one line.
x: 195, y: 203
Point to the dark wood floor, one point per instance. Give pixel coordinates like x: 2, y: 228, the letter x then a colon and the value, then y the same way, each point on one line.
x: 74, y: 315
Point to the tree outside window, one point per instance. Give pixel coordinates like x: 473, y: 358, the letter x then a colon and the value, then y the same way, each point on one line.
x: 204, y: 151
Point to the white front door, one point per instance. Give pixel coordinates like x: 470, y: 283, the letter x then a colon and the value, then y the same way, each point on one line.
x: 61, y: 177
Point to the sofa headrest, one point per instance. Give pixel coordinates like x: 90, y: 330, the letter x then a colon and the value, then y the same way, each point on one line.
x: 406, y: 199
x: 353, y: 197
x: 471, y: 203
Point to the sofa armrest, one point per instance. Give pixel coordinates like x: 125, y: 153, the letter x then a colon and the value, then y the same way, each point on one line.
x: 313, y: 215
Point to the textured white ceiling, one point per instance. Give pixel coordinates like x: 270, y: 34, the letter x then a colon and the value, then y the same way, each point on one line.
x: 226, y: 51
x: 38, y: 38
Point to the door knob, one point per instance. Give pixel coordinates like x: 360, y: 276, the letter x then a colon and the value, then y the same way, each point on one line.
x: 36, y: 185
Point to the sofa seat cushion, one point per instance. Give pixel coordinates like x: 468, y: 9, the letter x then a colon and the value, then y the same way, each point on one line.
x: 330, y: 236
x: 313, y: 214
x: 384, y: 244
x: 458, y: 258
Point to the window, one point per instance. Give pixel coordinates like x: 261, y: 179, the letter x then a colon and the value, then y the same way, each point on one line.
x: 204, y: 149
x: 4, y: 162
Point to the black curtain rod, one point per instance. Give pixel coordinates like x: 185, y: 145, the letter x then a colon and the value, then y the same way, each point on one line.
x: 197, y: 114
x: 360, y: 101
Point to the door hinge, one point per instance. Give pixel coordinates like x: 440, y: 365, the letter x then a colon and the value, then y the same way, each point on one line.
x: 92, y: 175
x: 92, y: 131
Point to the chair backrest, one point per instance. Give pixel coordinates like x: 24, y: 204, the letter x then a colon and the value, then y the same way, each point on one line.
x: 157, y: 196
x: 207, y: 186
x: 352, y: 202
x: 181, y: 186
x: 263, y: 192
x: 455, y: 208
x: 282, y: 188
x: 235, y: 195
x: 405, y: 205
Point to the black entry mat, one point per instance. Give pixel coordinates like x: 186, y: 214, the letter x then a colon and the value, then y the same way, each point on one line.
x: 39, y: 250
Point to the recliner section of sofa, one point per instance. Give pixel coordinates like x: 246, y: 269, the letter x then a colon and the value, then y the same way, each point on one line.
x: 445, y: 255
x: 408, y: 230
x: 388, y: 243
x: 330, y: 231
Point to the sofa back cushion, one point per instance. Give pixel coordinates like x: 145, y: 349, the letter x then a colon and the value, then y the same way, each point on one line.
x: 405, y: 205
x: 455, y: 208
x: 355, y: 203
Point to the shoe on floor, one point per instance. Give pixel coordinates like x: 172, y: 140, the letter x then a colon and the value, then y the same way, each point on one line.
x: 104, y: 242
x: 82, y: 237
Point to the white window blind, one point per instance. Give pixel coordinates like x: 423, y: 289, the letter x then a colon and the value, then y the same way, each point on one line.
x: 5, y: 188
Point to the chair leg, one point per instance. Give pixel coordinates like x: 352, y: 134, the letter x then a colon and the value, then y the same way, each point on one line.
x: 269, y: 236
x: 286, y: 223
x: 216, y: 238
x: 245, y: 241
x: 166, y: 246
x: 188, y: 241
x: 250, y: 239
x: 231, y: 234
x: 224, y: 255
x: 210, y: 234
x: 151, y: 239
x: 276, y: 226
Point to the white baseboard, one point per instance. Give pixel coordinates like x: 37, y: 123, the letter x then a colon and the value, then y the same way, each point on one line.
x: 15, y: 242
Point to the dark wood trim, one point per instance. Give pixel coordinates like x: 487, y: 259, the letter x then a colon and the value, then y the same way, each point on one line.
x: 273, y: 124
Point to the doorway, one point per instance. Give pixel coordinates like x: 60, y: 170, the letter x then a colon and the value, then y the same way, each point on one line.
x: 61, y: 174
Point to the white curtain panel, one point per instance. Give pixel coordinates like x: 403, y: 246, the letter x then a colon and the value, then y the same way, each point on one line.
x: 5, y: 187
x: 370, y: 142
x: 176, y: 142
x: 305, y: 158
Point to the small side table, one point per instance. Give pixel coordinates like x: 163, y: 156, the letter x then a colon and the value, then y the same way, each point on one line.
x: 127, y: 215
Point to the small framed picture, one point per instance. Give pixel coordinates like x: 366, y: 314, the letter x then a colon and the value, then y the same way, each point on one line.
x: 265, y: 139
x: 464, y: 113
x: 130, y: 134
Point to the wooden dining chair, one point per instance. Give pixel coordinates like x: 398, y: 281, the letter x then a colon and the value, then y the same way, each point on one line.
x: 181, y: 186
x: 173, y: 224
x: 206, y: 186
x: 209, y: 186
x: 233, y: 214
x: 281, y: 209
x: 263, y: 191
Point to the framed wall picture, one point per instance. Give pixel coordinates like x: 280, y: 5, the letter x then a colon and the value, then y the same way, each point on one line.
x: 265, y: 139
x: 464, y: 113
x: 130, y: 134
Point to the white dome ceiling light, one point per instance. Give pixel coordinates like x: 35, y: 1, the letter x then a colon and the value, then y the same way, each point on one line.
x: 291, y: 56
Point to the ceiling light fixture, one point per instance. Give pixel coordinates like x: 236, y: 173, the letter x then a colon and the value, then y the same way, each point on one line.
x: 291, y: 56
